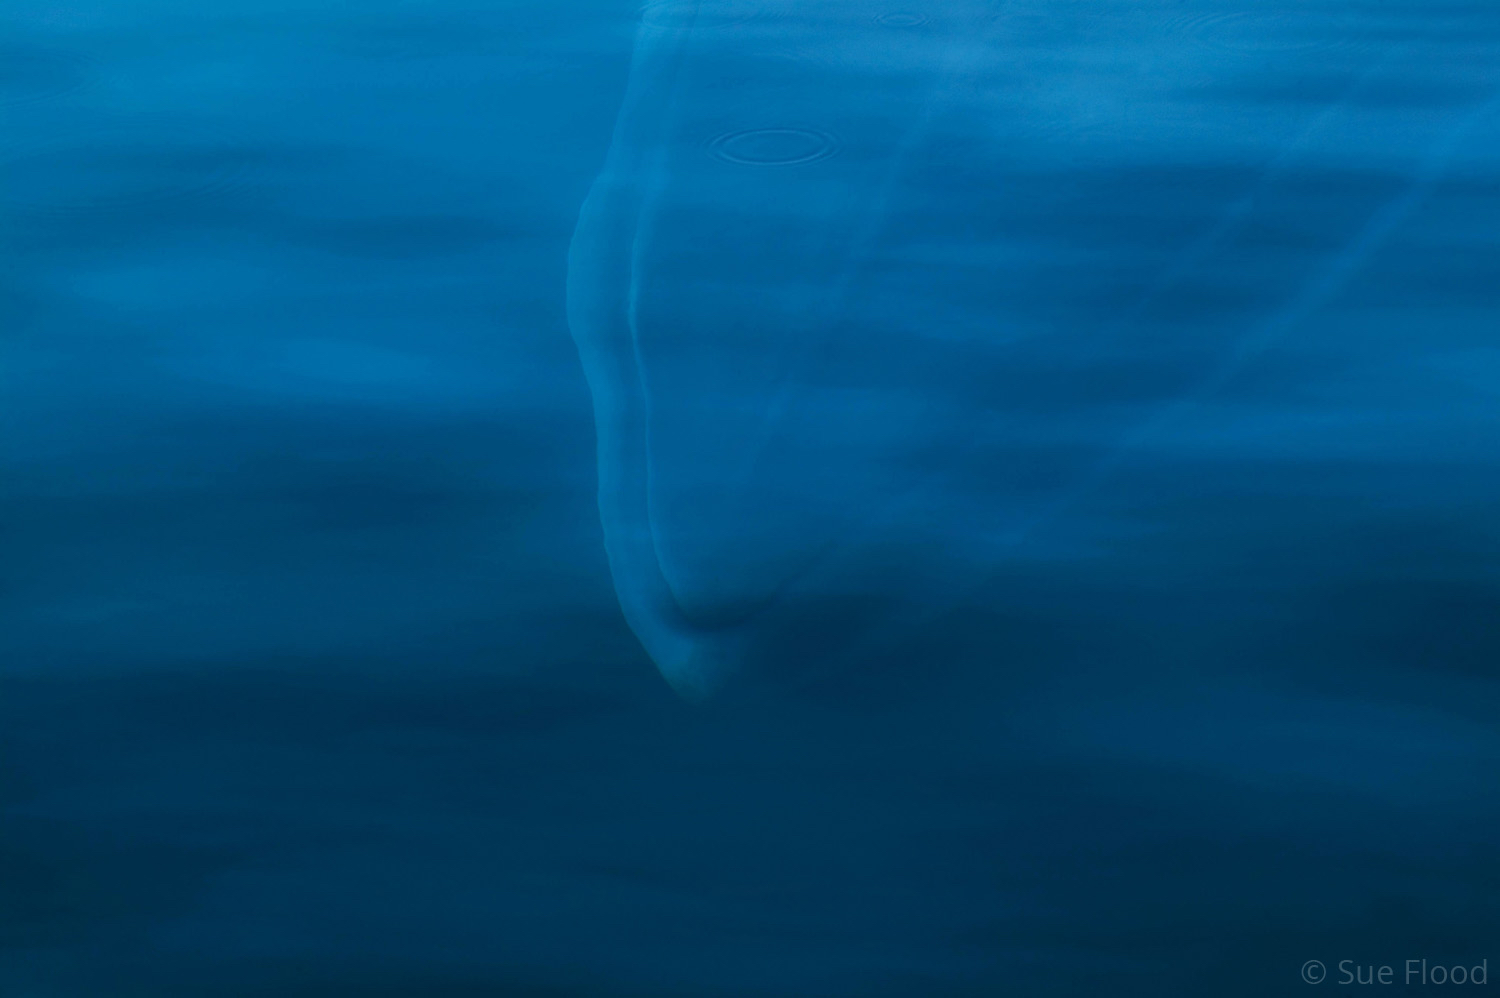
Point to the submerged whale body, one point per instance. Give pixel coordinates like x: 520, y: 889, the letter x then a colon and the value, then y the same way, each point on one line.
x: 603, y: 261
x: 693, y: 340
x: 837, y: 282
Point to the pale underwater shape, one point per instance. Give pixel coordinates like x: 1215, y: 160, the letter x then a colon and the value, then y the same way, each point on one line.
x: 801, y: 235
x: 742, y: 233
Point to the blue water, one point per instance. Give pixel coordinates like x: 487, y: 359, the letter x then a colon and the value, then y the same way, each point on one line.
x: 748, y: 497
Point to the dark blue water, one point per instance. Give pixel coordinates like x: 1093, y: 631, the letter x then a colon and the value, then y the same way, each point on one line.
x: 748, y: 497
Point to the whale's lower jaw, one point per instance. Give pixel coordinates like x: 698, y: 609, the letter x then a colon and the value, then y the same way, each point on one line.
x: 699, y: 669
x: 695, y: 660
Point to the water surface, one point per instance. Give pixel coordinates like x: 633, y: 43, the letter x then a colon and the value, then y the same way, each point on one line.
x: 747, y: 498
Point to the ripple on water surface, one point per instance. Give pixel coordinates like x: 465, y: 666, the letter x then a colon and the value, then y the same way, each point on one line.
x: 784, y: 146
x: 901, y: 19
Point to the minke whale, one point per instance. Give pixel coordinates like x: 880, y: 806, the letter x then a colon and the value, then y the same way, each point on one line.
x: 752, y: 151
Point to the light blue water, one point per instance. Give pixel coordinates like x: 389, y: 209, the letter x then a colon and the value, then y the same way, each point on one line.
x: 747, y: 498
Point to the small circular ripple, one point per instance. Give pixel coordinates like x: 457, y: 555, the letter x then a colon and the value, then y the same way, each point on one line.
x: 773, y: 146
x: 901, y: 19
x: 705, y: 14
